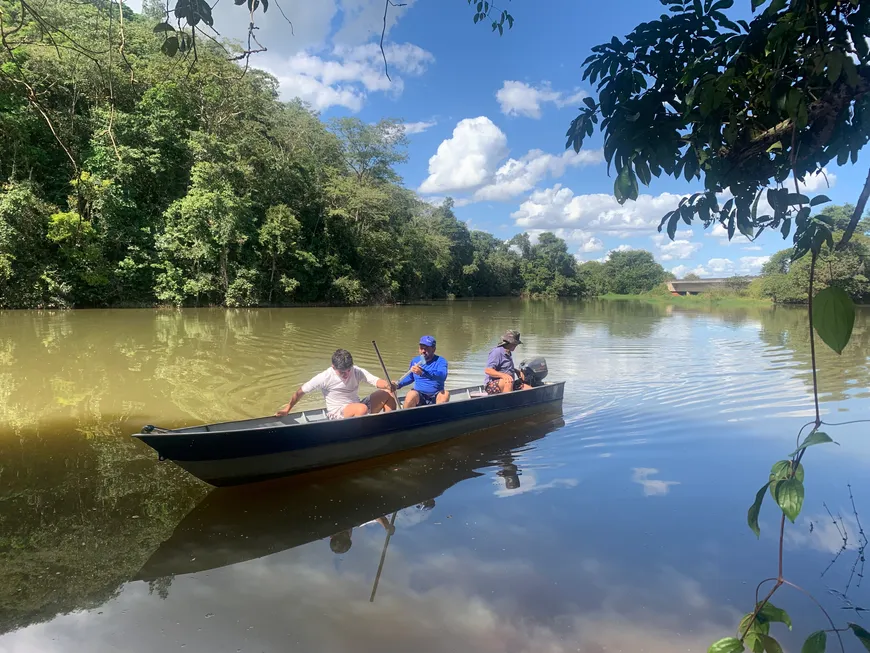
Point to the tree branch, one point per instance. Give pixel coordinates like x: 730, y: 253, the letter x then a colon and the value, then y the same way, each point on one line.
x: 387, y: 6
x: 825, y: 109
x: 856, y: 215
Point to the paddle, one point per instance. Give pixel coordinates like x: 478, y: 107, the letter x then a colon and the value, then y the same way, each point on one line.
x: 383, y: 557
x: 387, y: 376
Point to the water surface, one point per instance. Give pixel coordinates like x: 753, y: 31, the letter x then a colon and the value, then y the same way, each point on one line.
x: 615, y: 524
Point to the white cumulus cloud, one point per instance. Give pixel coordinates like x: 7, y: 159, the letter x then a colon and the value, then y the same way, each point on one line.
x: 818, y: 182
x: 517, y: 176
x: 521, y: 99
x: 473, y: 160
x: 557, y: 207
x: 724, y: 267
x: 677, y: 250
x: 418, y: 127
x: 468, y: 158
x: 586, y: 241
x: 347, y: 74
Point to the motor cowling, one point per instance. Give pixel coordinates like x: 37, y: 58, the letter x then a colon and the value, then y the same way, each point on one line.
x: 534, y: 371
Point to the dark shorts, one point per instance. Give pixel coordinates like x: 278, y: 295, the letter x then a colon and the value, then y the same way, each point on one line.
x: 492, y: 387
x: 427, y: 400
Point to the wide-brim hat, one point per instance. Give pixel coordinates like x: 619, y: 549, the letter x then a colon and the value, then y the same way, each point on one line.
x: 510, y: 337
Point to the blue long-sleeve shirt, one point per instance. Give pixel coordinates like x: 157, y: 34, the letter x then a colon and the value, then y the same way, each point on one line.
x: 432, y: 379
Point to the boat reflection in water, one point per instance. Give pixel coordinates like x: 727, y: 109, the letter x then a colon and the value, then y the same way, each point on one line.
x: 236, y: 524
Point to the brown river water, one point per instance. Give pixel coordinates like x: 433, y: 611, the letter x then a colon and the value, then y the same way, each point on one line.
x: 617, y: 523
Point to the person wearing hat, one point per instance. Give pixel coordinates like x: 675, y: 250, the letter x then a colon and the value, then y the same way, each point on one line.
x: 500, y: 372
x: 428, y: 373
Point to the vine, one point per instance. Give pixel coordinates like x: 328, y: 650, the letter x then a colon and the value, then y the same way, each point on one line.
x: 831, y: 315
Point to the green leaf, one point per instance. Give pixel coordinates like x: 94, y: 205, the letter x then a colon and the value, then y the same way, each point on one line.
x: 589, y: 102
x: 643, y: 172
x: 790, y: 497
x: 672, y: 224
x: 770, y: 644
x: 755, y: 509
x: 163, y: 27
x: 835, y: 66
x: 819, y: 199
x: 625, y: 186
x: 862, y: 635
x: 726, y: 645
x: 834, y: 317
x: 757, y: 3
x: 170, y: 46
x: 753, y: 642
x: 815, y: 643
x: 773, y: 614
x: 814, y: 438
x: 759, y: 625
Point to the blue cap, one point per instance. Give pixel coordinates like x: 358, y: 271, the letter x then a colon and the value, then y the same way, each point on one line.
x: 428, y: 341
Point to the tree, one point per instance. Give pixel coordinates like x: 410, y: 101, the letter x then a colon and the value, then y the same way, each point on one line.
x: 742, y: 106
x: 632, y: 272
x: 785, y: 281
x: 691, y: 276
x: 591, y: 274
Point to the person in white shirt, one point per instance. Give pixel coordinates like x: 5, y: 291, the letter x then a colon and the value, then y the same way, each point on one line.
x: 340, y: 387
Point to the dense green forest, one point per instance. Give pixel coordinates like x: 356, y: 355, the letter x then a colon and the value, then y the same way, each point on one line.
x: 130, y: 179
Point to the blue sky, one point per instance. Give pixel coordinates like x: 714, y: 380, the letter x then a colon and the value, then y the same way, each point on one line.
x: 487, y: 117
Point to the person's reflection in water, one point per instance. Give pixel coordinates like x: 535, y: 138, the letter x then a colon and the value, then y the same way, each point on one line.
x: 342, y: 541
x: 511, y: 476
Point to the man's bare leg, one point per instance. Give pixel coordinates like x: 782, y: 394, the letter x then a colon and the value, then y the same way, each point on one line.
x: 355, y: 410
x: 443, y: 397
x: 381, y: 400
x: 412, y: 399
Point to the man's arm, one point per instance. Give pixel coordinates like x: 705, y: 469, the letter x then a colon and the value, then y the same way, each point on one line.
x: 439, y: 372
x: 408, y: 377
x: 371, y: 379
x: 286, y: 408
x: 495, y: 359
x: 498, y: 375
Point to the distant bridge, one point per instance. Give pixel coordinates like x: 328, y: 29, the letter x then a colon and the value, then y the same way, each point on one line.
x: 696, y: 286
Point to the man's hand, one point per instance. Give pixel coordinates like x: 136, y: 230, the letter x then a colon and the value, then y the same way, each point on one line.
x: 416, y: 369
x: 394, y: 387
x: 284, y: 410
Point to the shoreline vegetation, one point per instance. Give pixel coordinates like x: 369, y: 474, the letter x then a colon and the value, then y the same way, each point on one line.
x: 201, y: 188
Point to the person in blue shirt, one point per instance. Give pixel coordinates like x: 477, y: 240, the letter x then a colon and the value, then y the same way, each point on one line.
x: 428, y: 373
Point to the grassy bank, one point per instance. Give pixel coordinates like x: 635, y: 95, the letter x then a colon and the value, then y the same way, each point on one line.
x: 724, y: 299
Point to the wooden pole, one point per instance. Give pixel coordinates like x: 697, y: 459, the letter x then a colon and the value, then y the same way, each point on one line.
x: 383, y: 557
x: 387, y: 376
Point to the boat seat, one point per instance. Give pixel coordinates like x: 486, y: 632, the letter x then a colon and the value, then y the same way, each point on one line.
x: 476, y: 395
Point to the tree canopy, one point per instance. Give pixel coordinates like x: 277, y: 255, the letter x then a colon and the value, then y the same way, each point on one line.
x: 749, y: 108
x: 198, y: 186
x: 785, y: 281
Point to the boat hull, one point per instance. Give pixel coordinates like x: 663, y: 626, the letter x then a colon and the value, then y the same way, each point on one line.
x: 234, y: 525
x: 230, y: 456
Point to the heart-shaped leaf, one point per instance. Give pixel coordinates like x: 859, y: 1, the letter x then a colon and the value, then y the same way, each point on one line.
x: 817, y: 437
x: 790, y: 497
x: 815, y: 643
x: 726, y: 645
x: 834, y: 317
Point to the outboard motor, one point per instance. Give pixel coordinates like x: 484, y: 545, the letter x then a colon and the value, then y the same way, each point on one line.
x: 534, y: 371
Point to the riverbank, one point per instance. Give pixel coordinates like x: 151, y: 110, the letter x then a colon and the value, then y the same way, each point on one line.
x: 705, y: 299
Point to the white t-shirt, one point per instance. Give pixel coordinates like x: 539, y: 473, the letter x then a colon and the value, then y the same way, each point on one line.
x: 336, y: 392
